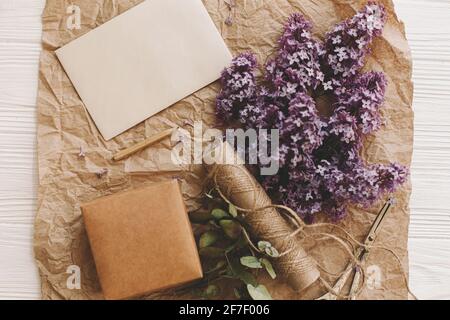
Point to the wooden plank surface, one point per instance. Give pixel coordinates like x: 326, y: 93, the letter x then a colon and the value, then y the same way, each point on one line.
x: 428, y: 29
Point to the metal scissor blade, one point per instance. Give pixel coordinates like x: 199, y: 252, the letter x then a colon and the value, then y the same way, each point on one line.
x: 373, y: 232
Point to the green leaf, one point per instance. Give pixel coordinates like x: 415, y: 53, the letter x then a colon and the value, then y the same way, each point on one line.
x: 219, y: 214
x: 246, y: 277
x: 272, y: 252
x: 259, y: 292
x: 233, y: 211
x: 200, y: 216
x: 241, y: 243
x: 268, y: 249
x: 251, y: 262
x: 211, y: 291
x: 239, y: 272
x: 231, y: 228
x: 269, y: 268
x: 238, y: 244
x: 208, y: 239
x: 219, y: 266
x: 214, y: 224
x: 211, y: 252
x: 229, y: 272
x: 262, y: 245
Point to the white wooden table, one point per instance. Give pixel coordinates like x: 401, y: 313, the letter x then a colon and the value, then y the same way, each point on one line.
x: 428, y: 28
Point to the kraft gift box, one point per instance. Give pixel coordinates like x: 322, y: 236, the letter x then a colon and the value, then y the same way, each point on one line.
x: 142, y: 241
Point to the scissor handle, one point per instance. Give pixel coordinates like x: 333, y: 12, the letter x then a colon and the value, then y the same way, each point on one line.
x: 355, y: 284
x: 339, y: 285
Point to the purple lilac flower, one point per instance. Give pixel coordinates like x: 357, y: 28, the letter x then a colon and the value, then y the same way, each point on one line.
x: 321, y: 168
x: 239, y: 88
x: 296, y: 67
x: 363, y: 100
x: 348, y: 43
x: 302, y: 131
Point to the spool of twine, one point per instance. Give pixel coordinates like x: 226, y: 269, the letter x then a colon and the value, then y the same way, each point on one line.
x: 238, y: 185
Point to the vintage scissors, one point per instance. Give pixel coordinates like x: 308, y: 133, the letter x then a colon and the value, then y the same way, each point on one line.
x: 361, y: 254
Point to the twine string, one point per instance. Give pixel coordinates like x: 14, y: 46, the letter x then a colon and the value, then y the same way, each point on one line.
x: 238, y: 180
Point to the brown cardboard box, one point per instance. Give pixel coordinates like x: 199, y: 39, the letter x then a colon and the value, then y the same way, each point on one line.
x: 142, y: 241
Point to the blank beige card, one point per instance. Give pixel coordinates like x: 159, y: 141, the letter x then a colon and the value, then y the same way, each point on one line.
x: 143, y: 61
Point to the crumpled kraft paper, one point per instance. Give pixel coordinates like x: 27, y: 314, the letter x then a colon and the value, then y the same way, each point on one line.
x: 67, y: 179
